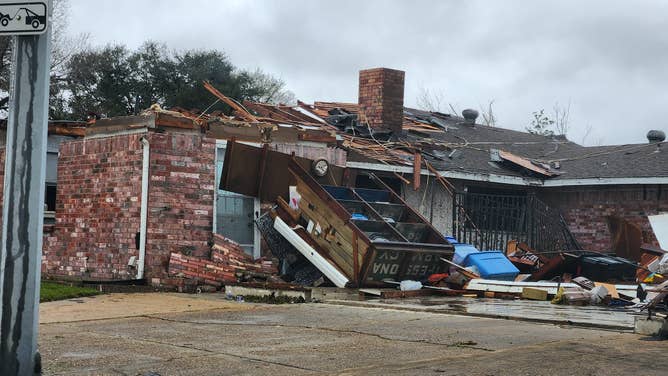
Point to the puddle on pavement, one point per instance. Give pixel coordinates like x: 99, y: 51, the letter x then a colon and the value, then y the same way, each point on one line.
x: 524, y: 309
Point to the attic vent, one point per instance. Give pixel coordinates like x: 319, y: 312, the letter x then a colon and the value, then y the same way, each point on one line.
x: 656, y: 136
x: 470, y: 115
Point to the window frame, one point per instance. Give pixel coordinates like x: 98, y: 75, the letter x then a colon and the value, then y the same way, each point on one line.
x: 222, y: 144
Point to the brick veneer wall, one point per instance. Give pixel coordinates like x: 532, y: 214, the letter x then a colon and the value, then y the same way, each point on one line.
x: 97, y: 209
x: 586, y: 210
x: 381, y: 97
x: 181, y: 194
x: 99, y: 197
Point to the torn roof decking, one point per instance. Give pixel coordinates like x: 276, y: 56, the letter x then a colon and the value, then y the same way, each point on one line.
x: 152, y: 119
x: 449, y: 143
x: 59, y: 127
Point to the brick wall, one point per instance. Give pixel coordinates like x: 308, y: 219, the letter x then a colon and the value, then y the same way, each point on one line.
x: 181, y: 194
x: 381, y: 97
x: 99, y: 197
x: 97, y: 209
x: 586, y: 210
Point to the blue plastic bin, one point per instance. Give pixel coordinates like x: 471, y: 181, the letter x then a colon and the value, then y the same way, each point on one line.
x: 461, y: 251
x: 492, y: 265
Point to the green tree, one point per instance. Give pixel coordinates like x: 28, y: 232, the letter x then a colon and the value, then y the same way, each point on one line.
x: 193, y: 67
x: 101, y: 82
x: 540, y: 124
x: 265, y: 88
x: 114, y: 81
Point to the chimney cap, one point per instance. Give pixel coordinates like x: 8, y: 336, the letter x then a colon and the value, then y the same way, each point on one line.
x: 470, y: 115
x: 656, y: 136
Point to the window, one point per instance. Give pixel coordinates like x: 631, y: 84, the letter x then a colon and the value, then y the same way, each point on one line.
x: 50, y: 188
x: 235, y: 214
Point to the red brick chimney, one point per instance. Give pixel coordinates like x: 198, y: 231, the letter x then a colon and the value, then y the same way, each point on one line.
x: 381, y: 98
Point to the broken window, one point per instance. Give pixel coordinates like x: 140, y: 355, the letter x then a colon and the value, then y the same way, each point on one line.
x: 235, y: 213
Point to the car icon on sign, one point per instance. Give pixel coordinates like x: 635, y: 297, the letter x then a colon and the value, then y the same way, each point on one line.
x: 33, y: 19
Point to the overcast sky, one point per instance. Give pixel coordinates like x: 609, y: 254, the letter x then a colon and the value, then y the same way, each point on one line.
x: 609, y: 59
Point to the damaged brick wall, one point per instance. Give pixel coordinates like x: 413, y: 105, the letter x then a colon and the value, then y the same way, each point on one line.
x: 181, y: 194
x: 586, y: 210
x: 98, y: 205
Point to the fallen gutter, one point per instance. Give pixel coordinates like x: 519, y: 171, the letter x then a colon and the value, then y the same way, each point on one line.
x: 311, y: 254
x: 143, y: 216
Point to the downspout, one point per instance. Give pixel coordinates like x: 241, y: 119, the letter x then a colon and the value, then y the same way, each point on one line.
x: 143, y: 215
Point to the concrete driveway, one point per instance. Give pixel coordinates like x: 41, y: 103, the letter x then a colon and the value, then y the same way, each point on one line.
x: 177, y: 334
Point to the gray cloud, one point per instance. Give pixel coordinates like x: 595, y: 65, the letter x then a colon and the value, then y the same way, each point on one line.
x: 606, y: 58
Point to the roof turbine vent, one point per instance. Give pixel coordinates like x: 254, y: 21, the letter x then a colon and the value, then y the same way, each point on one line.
x: 656, y: 136
x: 470, y: 115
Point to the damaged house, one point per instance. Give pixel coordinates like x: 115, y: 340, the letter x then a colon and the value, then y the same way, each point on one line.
x: 132, y: 192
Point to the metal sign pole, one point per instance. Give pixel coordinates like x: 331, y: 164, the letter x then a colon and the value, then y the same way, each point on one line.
x: 23, y: 203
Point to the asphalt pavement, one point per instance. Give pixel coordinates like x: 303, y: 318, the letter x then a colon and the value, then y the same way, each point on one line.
x: 178, y: 334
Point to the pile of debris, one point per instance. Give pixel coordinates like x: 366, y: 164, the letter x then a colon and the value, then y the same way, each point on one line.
x: 228, y: 263
x: 523, y: 273
x: 321, y: 232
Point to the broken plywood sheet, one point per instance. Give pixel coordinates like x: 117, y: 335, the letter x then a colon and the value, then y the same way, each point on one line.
x: 551, y: 287
x: 526, y: 163
x: 263, y: 173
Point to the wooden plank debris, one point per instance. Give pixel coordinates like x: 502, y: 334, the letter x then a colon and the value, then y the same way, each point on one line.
x: 551, y: 287
x: 526, y: 163
x: 534, y: 294
x: 238, y: 108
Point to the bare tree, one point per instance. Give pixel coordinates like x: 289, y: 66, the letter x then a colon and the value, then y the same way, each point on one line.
x: 432, y: 100
x: 561, y: 118
x: 63, y: 47
x: 487, y: 113
x: 586, y: 134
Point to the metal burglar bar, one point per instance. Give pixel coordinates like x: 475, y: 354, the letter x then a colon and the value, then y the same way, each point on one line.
x: 23, y: 208
x: 489, y: 221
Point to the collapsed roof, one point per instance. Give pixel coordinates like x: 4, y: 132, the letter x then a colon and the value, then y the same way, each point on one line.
x: 450, y: 143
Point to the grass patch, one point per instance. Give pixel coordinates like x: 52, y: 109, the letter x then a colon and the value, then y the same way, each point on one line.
x: 50, y: 291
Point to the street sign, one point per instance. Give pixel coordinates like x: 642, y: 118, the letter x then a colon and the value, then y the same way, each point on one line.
x: 23, y: 188
x: 26, y: 18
